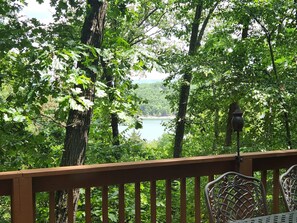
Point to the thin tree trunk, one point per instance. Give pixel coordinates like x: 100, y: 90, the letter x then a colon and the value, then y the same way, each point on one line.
x: 114, y: 119
x: 195, y: 42
x: 216, y: 129
x: 78, y: 123
x: 215, y: 122
x: 282, y: 100
x: 185, y: 87
x: 233, y: 106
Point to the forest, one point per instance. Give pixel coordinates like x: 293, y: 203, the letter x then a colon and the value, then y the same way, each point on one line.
x: 67, y: 85
x: 68, y: 78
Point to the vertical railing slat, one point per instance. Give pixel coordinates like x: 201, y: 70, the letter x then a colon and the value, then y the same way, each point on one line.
x: 153, y: 194
x: 210, y: 178
x: 183, y: 200
x: 137, y: 203
x: 168, y: 201
x: 88, y: 206
x: 264, y: 179
x: 70, y: 207
x: 52, y: 207
x: 276, y: 190
x: 105, y: 204
x: 122, y: 203
x: 197, y: 200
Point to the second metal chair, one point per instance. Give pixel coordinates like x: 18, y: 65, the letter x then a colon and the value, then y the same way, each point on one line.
x: 288, y: 183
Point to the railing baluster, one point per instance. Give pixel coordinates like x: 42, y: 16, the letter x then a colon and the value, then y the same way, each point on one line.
x: 22, y: 185
x: 197, y: 200
x: 276, y: 189
x: 122, y: 203
x: 264, y: 179
x: 105, y: 204
x: 183, y: 200
x: 52, y: 207
x: 210, y: 178
x: 137, y: 203
x: 168, y: 201
x: 153, y: 202
x: 70, y: 207
x: 88, y: 205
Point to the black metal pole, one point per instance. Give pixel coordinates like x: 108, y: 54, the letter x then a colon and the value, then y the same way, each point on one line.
x: 238, y: 158
x: 237, y: 125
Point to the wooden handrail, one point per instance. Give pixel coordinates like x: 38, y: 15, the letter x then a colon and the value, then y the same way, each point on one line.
x: 24, y: 184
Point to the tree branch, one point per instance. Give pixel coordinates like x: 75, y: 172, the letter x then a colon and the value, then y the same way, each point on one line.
x: 147, y: 16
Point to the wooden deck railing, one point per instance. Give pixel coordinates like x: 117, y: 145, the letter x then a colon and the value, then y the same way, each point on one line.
x: 23, y: 186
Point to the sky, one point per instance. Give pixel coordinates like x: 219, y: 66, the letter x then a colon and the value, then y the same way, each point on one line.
x: 43, y: 12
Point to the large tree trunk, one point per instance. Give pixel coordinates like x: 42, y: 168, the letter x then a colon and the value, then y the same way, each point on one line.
x: 195, y: 42
x: 78, y: 123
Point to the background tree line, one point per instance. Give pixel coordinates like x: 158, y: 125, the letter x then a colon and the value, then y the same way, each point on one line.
x: 155, y: 102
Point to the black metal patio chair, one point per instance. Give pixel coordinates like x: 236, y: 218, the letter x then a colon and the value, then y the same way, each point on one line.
x: 288, y: 183
x: 234, y: 196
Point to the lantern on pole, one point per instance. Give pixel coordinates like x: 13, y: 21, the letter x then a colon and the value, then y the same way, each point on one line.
x: 237, y: 125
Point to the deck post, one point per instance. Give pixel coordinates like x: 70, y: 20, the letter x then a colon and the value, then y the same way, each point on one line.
x: 246, y: 166
x: 22, y: 200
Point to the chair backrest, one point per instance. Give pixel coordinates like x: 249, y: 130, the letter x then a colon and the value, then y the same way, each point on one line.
x: 288, y: 183
x: 234, y: 196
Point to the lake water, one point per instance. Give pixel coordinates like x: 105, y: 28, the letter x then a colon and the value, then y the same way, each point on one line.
x: 152, y: 129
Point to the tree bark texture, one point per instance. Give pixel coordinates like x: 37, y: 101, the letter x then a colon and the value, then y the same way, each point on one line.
x: 78, y: 123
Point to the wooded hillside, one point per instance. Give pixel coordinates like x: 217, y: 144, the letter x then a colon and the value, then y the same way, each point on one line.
x: 154, y: 95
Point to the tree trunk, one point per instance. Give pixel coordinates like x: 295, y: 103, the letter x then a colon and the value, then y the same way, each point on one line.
x: 78, y: 123
x: 114, y: 119
x: 215, y: 122
x: 282, y: 100
x: 195, y: 42
x: 288, y: 130
x: 185, y: 87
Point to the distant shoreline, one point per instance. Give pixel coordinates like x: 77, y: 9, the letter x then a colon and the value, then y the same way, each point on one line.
x: 158, y: 117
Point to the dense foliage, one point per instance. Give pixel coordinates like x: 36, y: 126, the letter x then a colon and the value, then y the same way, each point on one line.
x: 218, y: 53
x: 256, y: 70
